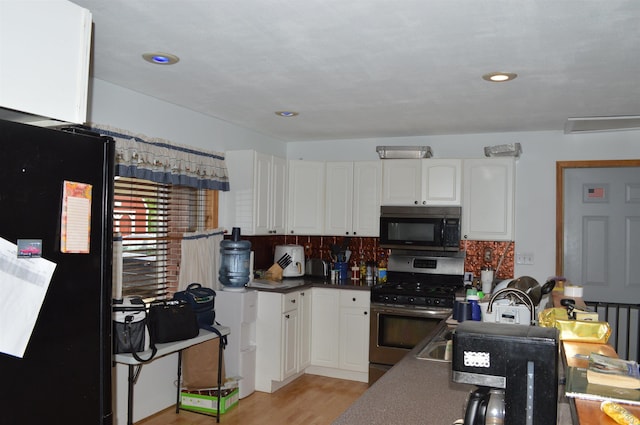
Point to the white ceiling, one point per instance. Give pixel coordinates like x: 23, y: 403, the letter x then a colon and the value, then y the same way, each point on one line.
x: 377, y: 68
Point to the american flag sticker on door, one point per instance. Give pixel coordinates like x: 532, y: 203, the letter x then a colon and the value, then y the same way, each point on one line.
x: 595, y: 193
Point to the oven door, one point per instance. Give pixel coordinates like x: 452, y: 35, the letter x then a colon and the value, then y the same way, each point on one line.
x: 396, y: 330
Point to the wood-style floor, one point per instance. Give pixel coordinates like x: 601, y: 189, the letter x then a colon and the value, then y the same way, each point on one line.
x: 309, y: 400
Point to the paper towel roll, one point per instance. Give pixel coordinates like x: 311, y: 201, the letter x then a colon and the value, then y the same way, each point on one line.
x: 573, y: 291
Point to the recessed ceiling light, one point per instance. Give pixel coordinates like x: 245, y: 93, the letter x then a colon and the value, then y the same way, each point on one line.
x: 286, y: 114
x: 499, y: 77
x: 161, y: 58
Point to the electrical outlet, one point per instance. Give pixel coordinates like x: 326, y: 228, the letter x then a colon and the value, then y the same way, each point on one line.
x: 524, y: 258
x: 487, y: 255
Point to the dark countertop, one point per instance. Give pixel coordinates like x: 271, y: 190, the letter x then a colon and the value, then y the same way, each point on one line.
x: 417, y: 392
x: 412, y: 392
x: 290, y: 284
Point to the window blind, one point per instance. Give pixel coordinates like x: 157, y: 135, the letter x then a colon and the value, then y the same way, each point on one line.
x: 151, y: 218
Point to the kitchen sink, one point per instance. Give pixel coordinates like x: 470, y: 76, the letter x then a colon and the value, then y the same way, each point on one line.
x: 438, y: 348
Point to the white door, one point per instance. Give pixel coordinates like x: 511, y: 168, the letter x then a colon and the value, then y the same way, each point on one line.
x: 601, y: 247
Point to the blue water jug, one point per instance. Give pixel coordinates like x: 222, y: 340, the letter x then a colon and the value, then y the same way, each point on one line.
x: 235, y: 255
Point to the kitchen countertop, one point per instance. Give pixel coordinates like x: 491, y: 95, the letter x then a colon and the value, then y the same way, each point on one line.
x: 418, y: 392
x: 290, y: 284
x: 412, y: 392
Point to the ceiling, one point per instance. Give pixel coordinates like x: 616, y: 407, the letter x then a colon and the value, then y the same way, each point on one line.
x: 376, y: 68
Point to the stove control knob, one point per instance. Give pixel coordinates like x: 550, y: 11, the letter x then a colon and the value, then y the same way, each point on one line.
x: 412, y: 300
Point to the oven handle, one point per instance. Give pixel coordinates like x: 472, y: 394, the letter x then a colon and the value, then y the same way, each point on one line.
x: 410, y: 312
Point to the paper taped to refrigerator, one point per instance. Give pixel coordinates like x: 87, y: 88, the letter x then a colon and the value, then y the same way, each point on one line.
x: 23, y: 286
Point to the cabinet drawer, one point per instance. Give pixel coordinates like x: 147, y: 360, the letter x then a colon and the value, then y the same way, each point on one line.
x: 354, y: 298
x: 290, y: 301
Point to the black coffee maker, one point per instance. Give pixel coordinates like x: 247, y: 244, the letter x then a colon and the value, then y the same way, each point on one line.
x: 516, y: 369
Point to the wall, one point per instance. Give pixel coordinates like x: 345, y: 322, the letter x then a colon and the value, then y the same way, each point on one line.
x: 127, y: 110
x: 535, y: 173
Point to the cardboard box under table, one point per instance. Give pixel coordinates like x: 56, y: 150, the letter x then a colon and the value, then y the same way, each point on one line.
x: 206, y: 401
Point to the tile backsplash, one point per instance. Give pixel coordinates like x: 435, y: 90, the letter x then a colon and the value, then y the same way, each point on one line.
x: 368, y: 249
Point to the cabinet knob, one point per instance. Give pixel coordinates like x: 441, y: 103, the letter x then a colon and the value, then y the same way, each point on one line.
x: 287, y: 316
x: 302, y: 294
x: 424, y: 202
x: 415, y: 202
x: 353, y: 299
x: 366, y: 312
x: 293, y: 301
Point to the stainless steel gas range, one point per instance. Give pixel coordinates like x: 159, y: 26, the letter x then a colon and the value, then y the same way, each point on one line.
x: 420, y: 291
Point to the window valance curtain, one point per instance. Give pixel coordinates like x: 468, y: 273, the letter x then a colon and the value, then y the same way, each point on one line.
x: 161, y: 161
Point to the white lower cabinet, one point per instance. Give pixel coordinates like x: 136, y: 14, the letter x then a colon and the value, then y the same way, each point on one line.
x: 325, y: 322
x: 354, y: 331
x: 281, y: 331
x: 340, y: 333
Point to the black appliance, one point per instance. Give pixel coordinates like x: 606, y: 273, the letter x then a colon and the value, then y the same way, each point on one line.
x: 520, y: 361
x: 420, y: 228
x: 419, y: 294
x: 64, y: 375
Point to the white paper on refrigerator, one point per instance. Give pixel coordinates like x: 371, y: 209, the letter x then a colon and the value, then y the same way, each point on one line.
x: 23, y: 286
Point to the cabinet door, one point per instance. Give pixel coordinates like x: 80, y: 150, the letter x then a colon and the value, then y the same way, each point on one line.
x: 488, y: 207
x: 338, y: 198
x: 354, y: 339
x: 304, y: 321
x: 325, y: 319
x: 401, y: 181
x: 58, y: 89
x: 278, y: 196
x: 354, y: 330
x: 262, y: 193
x: 289, y: 355
x: 367, y: 191
x: 442, y: 181
x: 306, y: 198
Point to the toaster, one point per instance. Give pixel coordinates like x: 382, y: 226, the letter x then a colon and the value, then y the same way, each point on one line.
x: 317, y: 267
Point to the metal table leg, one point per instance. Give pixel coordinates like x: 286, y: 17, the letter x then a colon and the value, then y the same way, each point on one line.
x: 133, y: 377
x: 179, y: 381
x: 219, y: 377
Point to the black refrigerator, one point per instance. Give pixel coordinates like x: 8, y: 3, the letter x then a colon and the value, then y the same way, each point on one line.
x: 64, y: 374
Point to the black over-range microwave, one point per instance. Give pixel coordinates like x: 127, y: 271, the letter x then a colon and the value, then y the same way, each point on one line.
x: 421, y: 228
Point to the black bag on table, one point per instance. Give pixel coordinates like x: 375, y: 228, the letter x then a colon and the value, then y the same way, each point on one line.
x: 172, y: 320
x: 203, y: 302
x: 130, y: 328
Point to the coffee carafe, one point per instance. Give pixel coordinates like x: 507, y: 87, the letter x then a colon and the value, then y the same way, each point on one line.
x: 485, y: 407
x: 515, y: 368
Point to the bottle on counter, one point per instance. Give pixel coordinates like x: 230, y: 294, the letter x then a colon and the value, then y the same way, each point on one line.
x: 382, y: 269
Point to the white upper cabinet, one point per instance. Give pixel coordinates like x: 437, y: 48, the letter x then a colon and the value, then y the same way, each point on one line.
x: 352, y: 200
x: 306, y: 197
x: 256, y: 201
x: 442, y: 181
x: 422, y: 182
x: 488, y: 208
x: 45, y: 58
